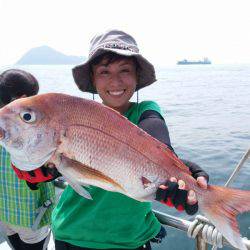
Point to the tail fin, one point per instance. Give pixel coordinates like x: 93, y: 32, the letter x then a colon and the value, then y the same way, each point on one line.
x: 221, y: 206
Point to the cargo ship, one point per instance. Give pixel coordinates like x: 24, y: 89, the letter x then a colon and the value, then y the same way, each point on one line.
x: 187, y: 62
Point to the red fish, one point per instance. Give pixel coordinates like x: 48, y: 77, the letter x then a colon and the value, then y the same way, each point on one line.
x: 91, y: 144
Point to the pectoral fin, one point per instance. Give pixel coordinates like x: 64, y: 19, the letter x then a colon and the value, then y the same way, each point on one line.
x: 78, y: 188
x: 65, y: 170
x: 80, y: 174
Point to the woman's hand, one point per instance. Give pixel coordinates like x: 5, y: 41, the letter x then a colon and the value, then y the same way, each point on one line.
x: 174, y: 193
x: 191, y: 197
x: 202, y: 182
x: 201, y: 177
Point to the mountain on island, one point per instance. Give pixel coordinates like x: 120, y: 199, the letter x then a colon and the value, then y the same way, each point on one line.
x: 45, y: 55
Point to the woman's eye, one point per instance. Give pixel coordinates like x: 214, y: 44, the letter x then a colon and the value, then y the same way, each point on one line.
x: 104, y: 72
x: 125, y: 70
x: 28, y: 117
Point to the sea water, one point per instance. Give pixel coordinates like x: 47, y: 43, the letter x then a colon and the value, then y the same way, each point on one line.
x: 207, y: 111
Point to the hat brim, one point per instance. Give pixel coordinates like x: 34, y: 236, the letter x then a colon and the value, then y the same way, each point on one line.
x: 81, y: 73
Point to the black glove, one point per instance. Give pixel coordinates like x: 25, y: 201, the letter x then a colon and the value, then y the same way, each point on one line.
x: 32, y: 186
x: 50, y: 171
x: 172, y: 196
x: 195, y: 169
x: 46, y: 171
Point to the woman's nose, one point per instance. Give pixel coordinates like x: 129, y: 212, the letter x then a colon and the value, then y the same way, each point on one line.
x: 115, y: 79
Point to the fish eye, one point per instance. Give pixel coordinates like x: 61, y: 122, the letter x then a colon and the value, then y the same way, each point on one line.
x: 28, y: 116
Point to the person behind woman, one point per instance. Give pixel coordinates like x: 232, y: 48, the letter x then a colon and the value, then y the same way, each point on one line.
x: 115, y: 70
x: 19, y: 205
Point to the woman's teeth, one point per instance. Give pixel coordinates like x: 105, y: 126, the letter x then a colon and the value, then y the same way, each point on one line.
x: 116, y: 92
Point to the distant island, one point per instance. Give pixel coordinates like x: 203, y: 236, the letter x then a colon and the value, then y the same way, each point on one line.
x: 185, y: 61
x: 45, y: 55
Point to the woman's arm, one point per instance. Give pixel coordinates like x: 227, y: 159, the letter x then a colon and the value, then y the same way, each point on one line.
x: 154, y: 124
x: 171, y: 193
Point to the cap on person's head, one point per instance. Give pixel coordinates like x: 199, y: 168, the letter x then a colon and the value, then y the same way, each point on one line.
x: 15, y: 83
x: 118, y: 42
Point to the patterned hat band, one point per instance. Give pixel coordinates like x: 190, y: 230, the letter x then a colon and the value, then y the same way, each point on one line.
x: 114, y: 45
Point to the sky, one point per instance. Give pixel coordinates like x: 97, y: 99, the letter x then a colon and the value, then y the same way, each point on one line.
x: 166, y: 31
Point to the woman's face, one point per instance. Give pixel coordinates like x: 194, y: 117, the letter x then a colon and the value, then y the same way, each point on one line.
x: 115, y: 82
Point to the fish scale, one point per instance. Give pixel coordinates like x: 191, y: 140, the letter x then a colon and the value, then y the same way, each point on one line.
x: 123, y: 158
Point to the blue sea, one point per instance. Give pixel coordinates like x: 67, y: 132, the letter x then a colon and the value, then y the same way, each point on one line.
x: 207, y: 110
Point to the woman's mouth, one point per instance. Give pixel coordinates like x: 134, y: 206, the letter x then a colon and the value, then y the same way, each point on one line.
x: 116, y: 92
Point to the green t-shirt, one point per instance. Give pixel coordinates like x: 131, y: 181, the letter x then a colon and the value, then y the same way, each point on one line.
x: 110, y: 220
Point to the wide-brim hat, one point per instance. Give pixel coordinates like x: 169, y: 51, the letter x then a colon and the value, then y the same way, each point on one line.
x: 118, y: 42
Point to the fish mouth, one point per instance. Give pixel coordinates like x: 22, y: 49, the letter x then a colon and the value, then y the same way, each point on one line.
x: 4, y: 137
x: 2, y: 134
x: 28, y: 165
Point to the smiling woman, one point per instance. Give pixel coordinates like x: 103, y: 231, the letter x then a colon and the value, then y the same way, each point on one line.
x: 115, y: 70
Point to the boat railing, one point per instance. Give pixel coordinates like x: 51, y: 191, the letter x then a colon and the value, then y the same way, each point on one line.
x: 183, y: 225
x: 238, y: 167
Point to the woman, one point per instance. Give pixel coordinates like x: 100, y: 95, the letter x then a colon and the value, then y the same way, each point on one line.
x: 115, y: 70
